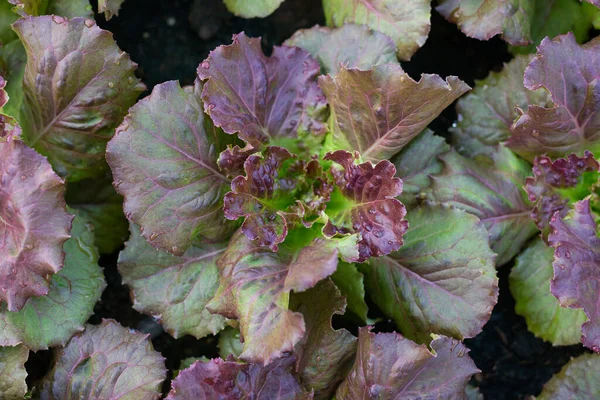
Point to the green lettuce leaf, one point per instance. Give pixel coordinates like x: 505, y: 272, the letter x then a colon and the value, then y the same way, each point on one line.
x: 13, y: 373
x: 578, y: 379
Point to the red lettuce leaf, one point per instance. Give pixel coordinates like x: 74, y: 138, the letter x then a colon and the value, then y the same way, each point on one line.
x: 231, y: 160
x: 78, y: 86
x: 389, y: 366
x: 34, y: 224
x: 368, y: 205
x: 272, y: 100
x: 379, y: 111
x: 547, y: 187
x: 164, y: 163
x: 570, y: 72
x: 577, y: 267
x: 232, y: 380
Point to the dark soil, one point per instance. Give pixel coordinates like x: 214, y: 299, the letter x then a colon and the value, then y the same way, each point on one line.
x: 168, y: 39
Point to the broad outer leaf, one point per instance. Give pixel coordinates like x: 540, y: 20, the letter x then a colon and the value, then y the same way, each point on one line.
x: 13, y: 373
x: 231, y: 380
x: 110, y: 8
x: 369, y: 207
x: 493, y: 194
x: 263, y: 99
x: 530, y: 287
x: 72, y: 295
x: 379, y: 111
x: 324, y: 354
x: 34, y: 224
x: 350, y: 282
x: 351, y: 46
x: 107, y: 361
x: 570, y: 73
x: 389, y: 366
x: 442, y: 280
x: 483, y: 19
x: 486, y: 115
x: 64, y: 8
x: 164, y: 162
x: 577, y: 267
x: 578, y: 379
x: 78, y: 86
x: 254, y: 288
x: 173, y: 289
x: 406, y: 22
x: 416, y: 163
x: 550, y: 179
x: 252, y: 8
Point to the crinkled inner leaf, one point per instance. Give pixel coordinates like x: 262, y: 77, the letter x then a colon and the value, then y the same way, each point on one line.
x: 351, y: 46
x: 173, y: 289
x: 389, y: 366
x: 164, y: 162
x: 34, y: 224
x: 442, y: 280
x: 379, y: 111
x: 72, y: 295
x: 577, y: 267
x: 78, y: 86
x: 107, y: 361
x: 406, y: 22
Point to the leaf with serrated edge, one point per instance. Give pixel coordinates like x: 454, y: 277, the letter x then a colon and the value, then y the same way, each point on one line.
x: 577, y: 267
x: 377, y: 112
x: 13, y: 373
x: 273, y: 100
x: 353, y: 46
x: 578, y: 379
x: 324, y: 354
x: 442, y: 280
x: 33, y: 224
x: 406, y: 22
x: 570, y: 73
x: 252, y: 8
x: 164, y: 162
x: 231, y: 380
x: 78, y: 86
x: 392, y: 367
x: 173, y: 289
x: 107, y: 361
x: 72, y: 295
x: 493, y: 194
x: 486, y: 114
x: 530, y: 287
x: 483, y: 19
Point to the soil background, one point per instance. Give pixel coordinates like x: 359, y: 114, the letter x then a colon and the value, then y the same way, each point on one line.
x: 168, y: 39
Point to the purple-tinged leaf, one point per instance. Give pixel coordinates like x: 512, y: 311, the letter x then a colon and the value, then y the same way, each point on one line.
x: 265, y: 100
x: 389, y: 366
x: 110, y: 8
x: 231, y: 160
x: 552, y: 181
x: 570, y: 73
x: 379, y: 111
x: 3, y: 94
x: 367, y: 205
x: 594, y: 2
x: 13, y: 373
x: 164, y: 162
x: 257, y: 195
x: 406, y: 22
x: 578, y: 379
x: 34, y: 224
x: 577, y: 267
x: 107, y: 361
x: 483, y: 19
x: 486, y: 114
x: 232, y: 380
x: 324, y: 355
x: 78, y: 86
x: 493, y: 192
x: 416, y: 163
x: 173, y: 289
x: 255, y: 285
x: 442, y: 280
x: 351, y: 46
